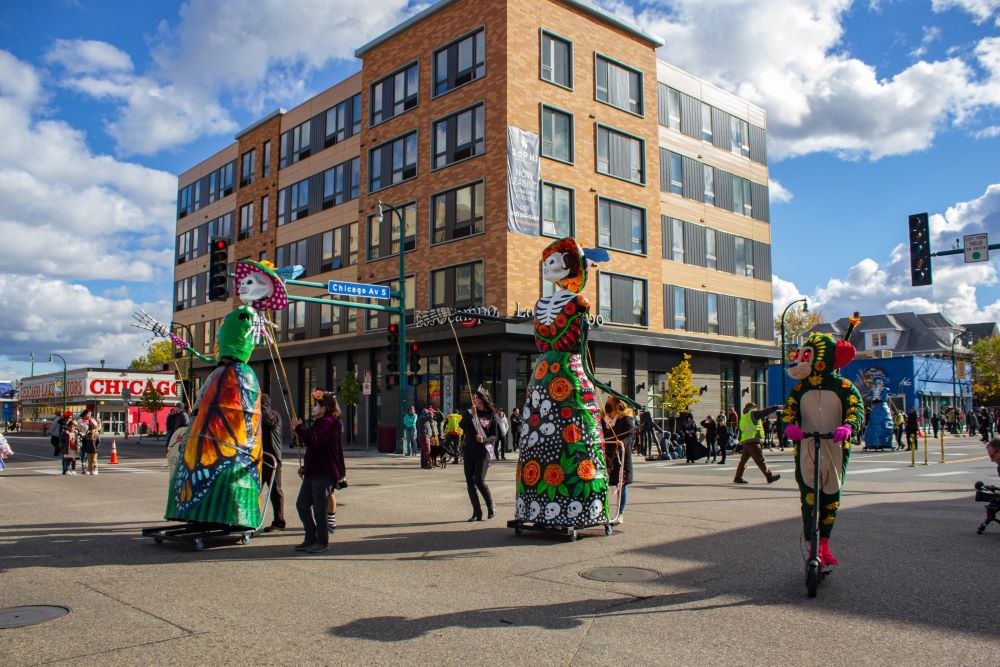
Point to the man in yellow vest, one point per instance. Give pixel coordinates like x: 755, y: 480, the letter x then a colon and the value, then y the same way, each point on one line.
x: 453, y: 434
x: 751, y: 435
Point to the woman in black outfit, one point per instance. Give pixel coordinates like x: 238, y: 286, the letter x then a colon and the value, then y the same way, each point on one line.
x: 515, y: 428
x: 619, y: 436
x: 710, y: 431
x: 479, y: 429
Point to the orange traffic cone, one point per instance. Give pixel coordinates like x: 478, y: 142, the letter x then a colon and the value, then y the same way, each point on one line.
x: 114, y: 452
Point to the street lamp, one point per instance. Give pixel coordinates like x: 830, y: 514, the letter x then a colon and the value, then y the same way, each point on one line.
x: 954, y: 378
x: 805, y: 309
x: 53, y: 354
x: 402, y: 305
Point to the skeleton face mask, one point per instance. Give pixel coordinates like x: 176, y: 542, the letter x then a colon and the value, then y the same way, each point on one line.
x: 554, y: 268
x: 255, y: 287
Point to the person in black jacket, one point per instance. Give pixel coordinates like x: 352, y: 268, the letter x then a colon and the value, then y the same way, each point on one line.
x: 912, y: 428
x: 479, y: 430
x: 515, y: 428
x: 271, y: 443
x: 711, y: 428
x: 619, y: 435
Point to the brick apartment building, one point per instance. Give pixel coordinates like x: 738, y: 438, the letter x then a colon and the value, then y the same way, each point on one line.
x: 666, y: 171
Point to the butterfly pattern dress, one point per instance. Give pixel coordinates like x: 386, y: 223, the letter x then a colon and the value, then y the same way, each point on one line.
x: 562, y: 478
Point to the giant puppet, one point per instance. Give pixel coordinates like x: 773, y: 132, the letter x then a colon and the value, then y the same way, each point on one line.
x: 562, y: 478
x: 216, y: 478
x: 823, y: 401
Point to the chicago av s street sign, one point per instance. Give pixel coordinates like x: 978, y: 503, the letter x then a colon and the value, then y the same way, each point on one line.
x: 341, y: 288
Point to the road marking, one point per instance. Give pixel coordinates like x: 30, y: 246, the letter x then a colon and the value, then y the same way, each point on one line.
x: 871, y: 470
x: 104, y: 469
x: 945, y: 474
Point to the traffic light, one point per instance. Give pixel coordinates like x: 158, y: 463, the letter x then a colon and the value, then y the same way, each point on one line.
x: 920, y: 250
x: 391, y: 380
x: 392, y: 359
x: 218, y: 271
x: 413, y: 353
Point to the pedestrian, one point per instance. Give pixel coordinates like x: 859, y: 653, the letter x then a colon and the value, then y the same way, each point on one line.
x: 751, y: 432
x: 177, y: 418
x: 425, y: 434
x: 619, y: 436
x: 897, y: 426
x: 480, y: 432
x: 935, y: 424
x: 711, y: 430
x: 648, y: 431
x: 55, y: 430
x: 70, y: 445
x: 453, y: 435
x: 912, y: 428
x: 270, y: 433
x: 767, y: 425
x: 515, y: 428
x: 993, y: 451
x: 91, y: 440
x: 5, y: 451
x: 985, y: 424
x: 409, y: 443
x: 692, y: 448
x: 722, y: 436
x: 321, y: 472
x: 504, y: 425
x: 86, y: 422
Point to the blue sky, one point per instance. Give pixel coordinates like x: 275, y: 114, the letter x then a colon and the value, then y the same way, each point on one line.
x: 876, y: 109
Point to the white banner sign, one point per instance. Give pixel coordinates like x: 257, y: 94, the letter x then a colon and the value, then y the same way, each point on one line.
x: 524, y: 176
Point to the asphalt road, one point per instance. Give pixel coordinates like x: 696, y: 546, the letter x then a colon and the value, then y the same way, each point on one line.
x: 408, y: 581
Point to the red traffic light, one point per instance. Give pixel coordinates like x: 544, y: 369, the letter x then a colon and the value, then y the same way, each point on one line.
x: 414, y: 348
x: 393, y: 329
x: 220, y: 245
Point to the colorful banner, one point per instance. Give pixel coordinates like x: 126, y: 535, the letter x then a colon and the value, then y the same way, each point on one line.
x: 524, y: 176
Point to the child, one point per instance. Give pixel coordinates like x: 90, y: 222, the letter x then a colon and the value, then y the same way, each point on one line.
x: 70, y: 447
x: 90, y: 442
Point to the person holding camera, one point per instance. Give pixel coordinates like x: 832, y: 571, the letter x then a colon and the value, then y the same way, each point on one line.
x: 323, y: 469
x: 993, y: 452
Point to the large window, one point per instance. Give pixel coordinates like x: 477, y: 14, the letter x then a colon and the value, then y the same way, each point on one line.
x: 458, y: 286
x: 621, y: 226
x: 265, y: 205
x: 293, y: 202
x: 246, y: 222
x: 394, y: 94
x: 739, y: 136
x: 341, y: 183
x: 557, y: 134
x: 557, y: 60
x: 711, y: 258
x: 673, y: 109
x: 248, y: 165
x: 220, y: 182
x: 620, y: 155
x: 618, y: 85
x: 708, y: 175
x: 680, y: 309
x: 266, y: 167
x: 376, y: 320
x: 457, y: 213
x: 458, y: 136
x: 460, y: 62
x: 295, y: 144
x: 743, y: 253
x: 383, y: 239
x: 676, y: 240
x: 713, y: 313
x: 676, y: 173
x: 343, y: 120
x: 742, y: 201
x: 339, y: 247
x: 622, y: 299
x: 746, y: 324
x: 189, y: 244
x: 557, y: 210
x: 392, y: 162
x: 706, y: 122
x: 296, y: 252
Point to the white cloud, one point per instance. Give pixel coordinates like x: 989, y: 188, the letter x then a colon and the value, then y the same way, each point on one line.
x: 982, y: 10
x: 43, y: 315
x: 931, y: 34
x: 991, y: 132
x: 87, y: 56
x: 778, y: 192
x: 788, y: 56
x: 256, y: 54
x: 873, y: 287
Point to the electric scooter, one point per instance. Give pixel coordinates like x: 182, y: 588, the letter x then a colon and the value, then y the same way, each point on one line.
x: 815, y: 571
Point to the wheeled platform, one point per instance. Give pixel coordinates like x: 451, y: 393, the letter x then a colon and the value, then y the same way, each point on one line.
x: 570, y: 532
x: 195, y: 534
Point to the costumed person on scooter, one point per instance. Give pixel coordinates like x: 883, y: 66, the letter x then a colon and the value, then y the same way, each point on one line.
x: 823, y: 401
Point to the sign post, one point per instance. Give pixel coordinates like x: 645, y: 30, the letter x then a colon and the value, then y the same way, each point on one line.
x: 977, y: 248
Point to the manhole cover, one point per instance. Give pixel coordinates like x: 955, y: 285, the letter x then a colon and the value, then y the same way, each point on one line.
x: 19, y: 617
x: 620, y: 574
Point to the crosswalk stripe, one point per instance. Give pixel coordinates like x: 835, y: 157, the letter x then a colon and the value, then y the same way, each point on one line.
x: 945, y: 474
x: 870, y: 470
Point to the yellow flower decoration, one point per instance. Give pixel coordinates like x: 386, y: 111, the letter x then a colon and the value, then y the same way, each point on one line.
x: 809, y: 499
x: 791, y: 400
x: 828, y: 521
x: 832, y: 506
x: 820, y: 366
x: 853, y: 399
x: 815, y: 380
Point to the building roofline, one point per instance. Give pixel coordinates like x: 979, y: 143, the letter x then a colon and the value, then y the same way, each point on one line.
x: 277, y: 112
x: 708, y: 84
x: 584, y: 5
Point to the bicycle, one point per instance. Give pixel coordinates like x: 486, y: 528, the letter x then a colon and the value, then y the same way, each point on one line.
x: 815, y: 571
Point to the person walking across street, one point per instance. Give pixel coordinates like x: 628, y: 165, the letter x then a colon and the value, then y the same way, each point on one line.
x: 751, y: 433
x: 935, y: 424
x: 425, y: 433
x: 722, y: 436
x: 322, y: 468
x: 271, y: 444
x: 912, y: 428
x: 480, y: 431
x: 898, y: 422
x: 90, y: 441
x: 409, y: 446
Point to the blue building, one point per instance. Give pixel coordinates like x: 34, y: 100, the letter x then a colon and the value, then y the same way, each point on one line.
x: 8, y: 401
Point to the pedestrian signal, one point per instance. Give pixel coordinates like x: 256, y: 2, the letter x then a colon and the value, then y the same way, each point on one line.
x: 218, y: 271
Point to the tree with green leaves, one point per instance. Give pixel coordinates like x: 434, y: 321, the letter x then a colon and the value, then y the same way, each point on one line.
x: 152, y: 402
x: 158, y: 353
x: 681, y: 393
x: 986, y: 371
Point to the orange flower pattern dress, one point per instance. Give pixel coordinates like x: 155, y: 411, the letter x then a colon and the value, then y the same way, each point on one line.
x: 562, y: 478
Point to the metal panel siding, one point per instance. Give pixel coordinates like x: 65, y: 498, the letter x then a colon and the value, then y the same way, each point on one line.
x: 690, y: 116
x: 761, y: 209
x: 696, y: 310
x: 667, y: 237
x: 723, y: 189
x: 694, y: 244
x: 725, y: 249
x: 764, y: 320
x: 662, y: 99
x: 664, y: 170
x: 721, y: 131
x: 694, y: 179
x: 762, y: 261
x: 727, y: 315
x: 758, y: 144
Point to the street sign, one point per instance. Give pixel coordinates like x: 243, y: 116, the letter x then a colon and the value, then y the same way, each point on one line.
x: 362, y: 290
x: 976, y: 248
x: 366, y: 388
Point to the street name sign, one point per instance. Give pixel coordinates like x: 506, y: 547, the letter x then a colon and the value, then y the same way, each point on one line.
x: 977, y: 248
x: 362, y: 290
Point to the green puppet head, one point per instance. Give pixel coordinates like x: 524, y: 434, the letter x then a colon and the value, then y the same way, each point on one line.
x: 821, y: 355
x: 237, y: 335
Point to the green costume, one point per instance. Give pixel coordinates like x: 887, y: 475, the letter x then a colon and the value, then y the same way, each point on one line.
x: 822, y: 402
